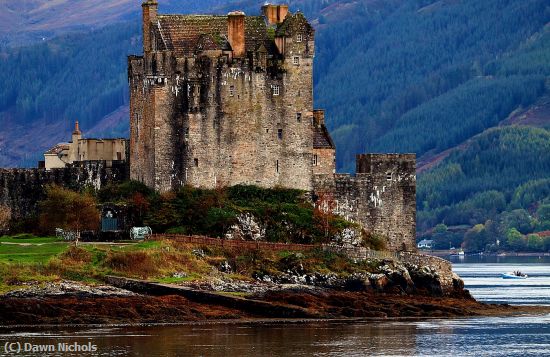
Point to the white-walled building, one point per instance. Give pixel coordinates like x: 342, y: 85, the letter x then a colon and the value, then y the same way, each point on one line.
x: 80, y: 149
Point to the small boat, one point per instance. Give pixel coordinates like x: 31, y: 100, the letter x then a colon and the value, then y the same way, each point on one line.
x: 514, y: 275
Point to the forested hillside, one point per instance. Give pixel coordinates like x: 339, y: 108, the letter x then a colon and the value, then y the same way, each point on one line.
x: 501, y: 177
x: 51, y: 84
x: 424, y: 76
x: 417, y: 66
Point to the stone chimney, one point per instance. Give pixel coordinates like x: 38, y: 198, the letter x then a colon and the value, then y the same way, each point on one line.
x: 235, y: 32
x: 150, y: 11
x: 319, y: 117
x: 275, y: 14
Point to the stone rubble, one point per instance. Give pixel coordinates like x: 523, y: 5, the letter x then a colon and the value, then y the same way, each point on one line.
x: 66, y: 288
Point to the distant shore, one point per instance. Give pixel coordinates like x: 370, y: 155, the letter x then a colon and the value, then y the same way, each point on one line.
x: 447, y: 253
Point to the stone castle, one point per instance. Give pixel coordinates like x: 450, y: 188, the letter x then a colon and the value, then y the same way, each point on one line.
x: 226, y: 100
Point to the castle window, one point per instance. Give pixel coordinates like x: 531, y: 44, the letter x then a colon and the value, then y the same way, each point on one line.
x: 296, y: 60
x: 389, y: 176
x: 280, y: 134
x: 299, y: 117
x: 266, y: 131
x: 276, y: 89
x: 315, y: 160
x: 196, y: 162
x: 277, y: 166
x: 231, y: 91
x: 137, y: 124
x: 299, y: 38
x: 186, y: 133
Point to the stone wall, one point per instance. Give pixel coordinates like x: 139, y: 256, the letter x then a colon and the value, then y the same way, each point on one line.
x: 210, y: 114
x: 324, y: 161
x: 381, y: 197
x: 22, y: 189
x: 354, y: 253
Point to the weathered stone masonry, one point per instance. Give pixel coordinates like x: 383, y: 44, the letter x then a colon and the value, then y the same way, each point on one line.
x: 223, y: 100
x: 381, y: 197
x: 226, y: 100
x: 22, y: 189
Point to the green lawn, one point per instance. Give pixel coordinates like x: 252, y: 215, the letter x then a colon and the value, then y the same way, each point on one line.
x: 28, y: 238
x: 40, y: 250
x: 33, y: 253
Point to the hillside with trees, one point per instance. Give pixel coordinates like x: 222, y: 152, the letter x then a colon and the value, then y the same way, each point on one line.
x: 423, y: 76
x: 499, y: 184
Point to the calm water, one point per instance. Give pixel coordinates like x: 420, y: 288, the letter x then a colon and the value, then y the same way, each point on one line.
x: 482, y: 276
x: 511, y: 336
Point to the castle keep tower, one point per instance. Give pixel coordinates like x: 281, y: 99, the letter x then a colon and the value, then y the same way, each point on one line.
x: 225, y: 100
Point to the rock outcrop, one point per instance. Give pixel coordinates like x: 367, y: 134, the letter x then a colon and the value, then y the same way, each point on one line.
x: 389, y: 276
x: 247, y: 227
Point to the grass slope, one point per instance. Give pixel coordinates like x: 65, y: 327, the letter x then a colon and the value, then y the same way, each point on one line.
x: 162, y: 261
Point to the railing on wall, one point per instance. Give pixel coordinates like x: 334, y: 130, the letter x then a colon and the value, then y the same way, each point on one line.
x: 379, y: 254
x: 225, y: 243
x: 354, y: 252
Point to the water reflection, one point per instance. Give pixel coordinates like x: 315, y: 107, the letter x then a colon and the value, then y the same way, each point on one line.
x: 276, y: 340
x: 321, y: 339
x: 526, y: 336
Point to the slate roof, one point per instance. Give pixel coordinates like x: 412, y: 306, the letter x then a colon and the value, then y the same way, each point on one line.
x: 186, y: 34
x: 284, y: 28
x: 58, y: 149
x: 321, y: 138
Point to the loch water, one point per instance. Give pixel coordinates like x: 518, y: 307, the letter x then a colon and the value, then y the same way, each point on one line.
x: 480, y: 336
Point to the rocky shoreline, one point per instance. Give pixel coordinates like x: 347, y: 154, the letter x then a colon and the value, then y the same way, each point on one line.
x: 131, y: 308
x: 397, y: 291
x: 412, y: 286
